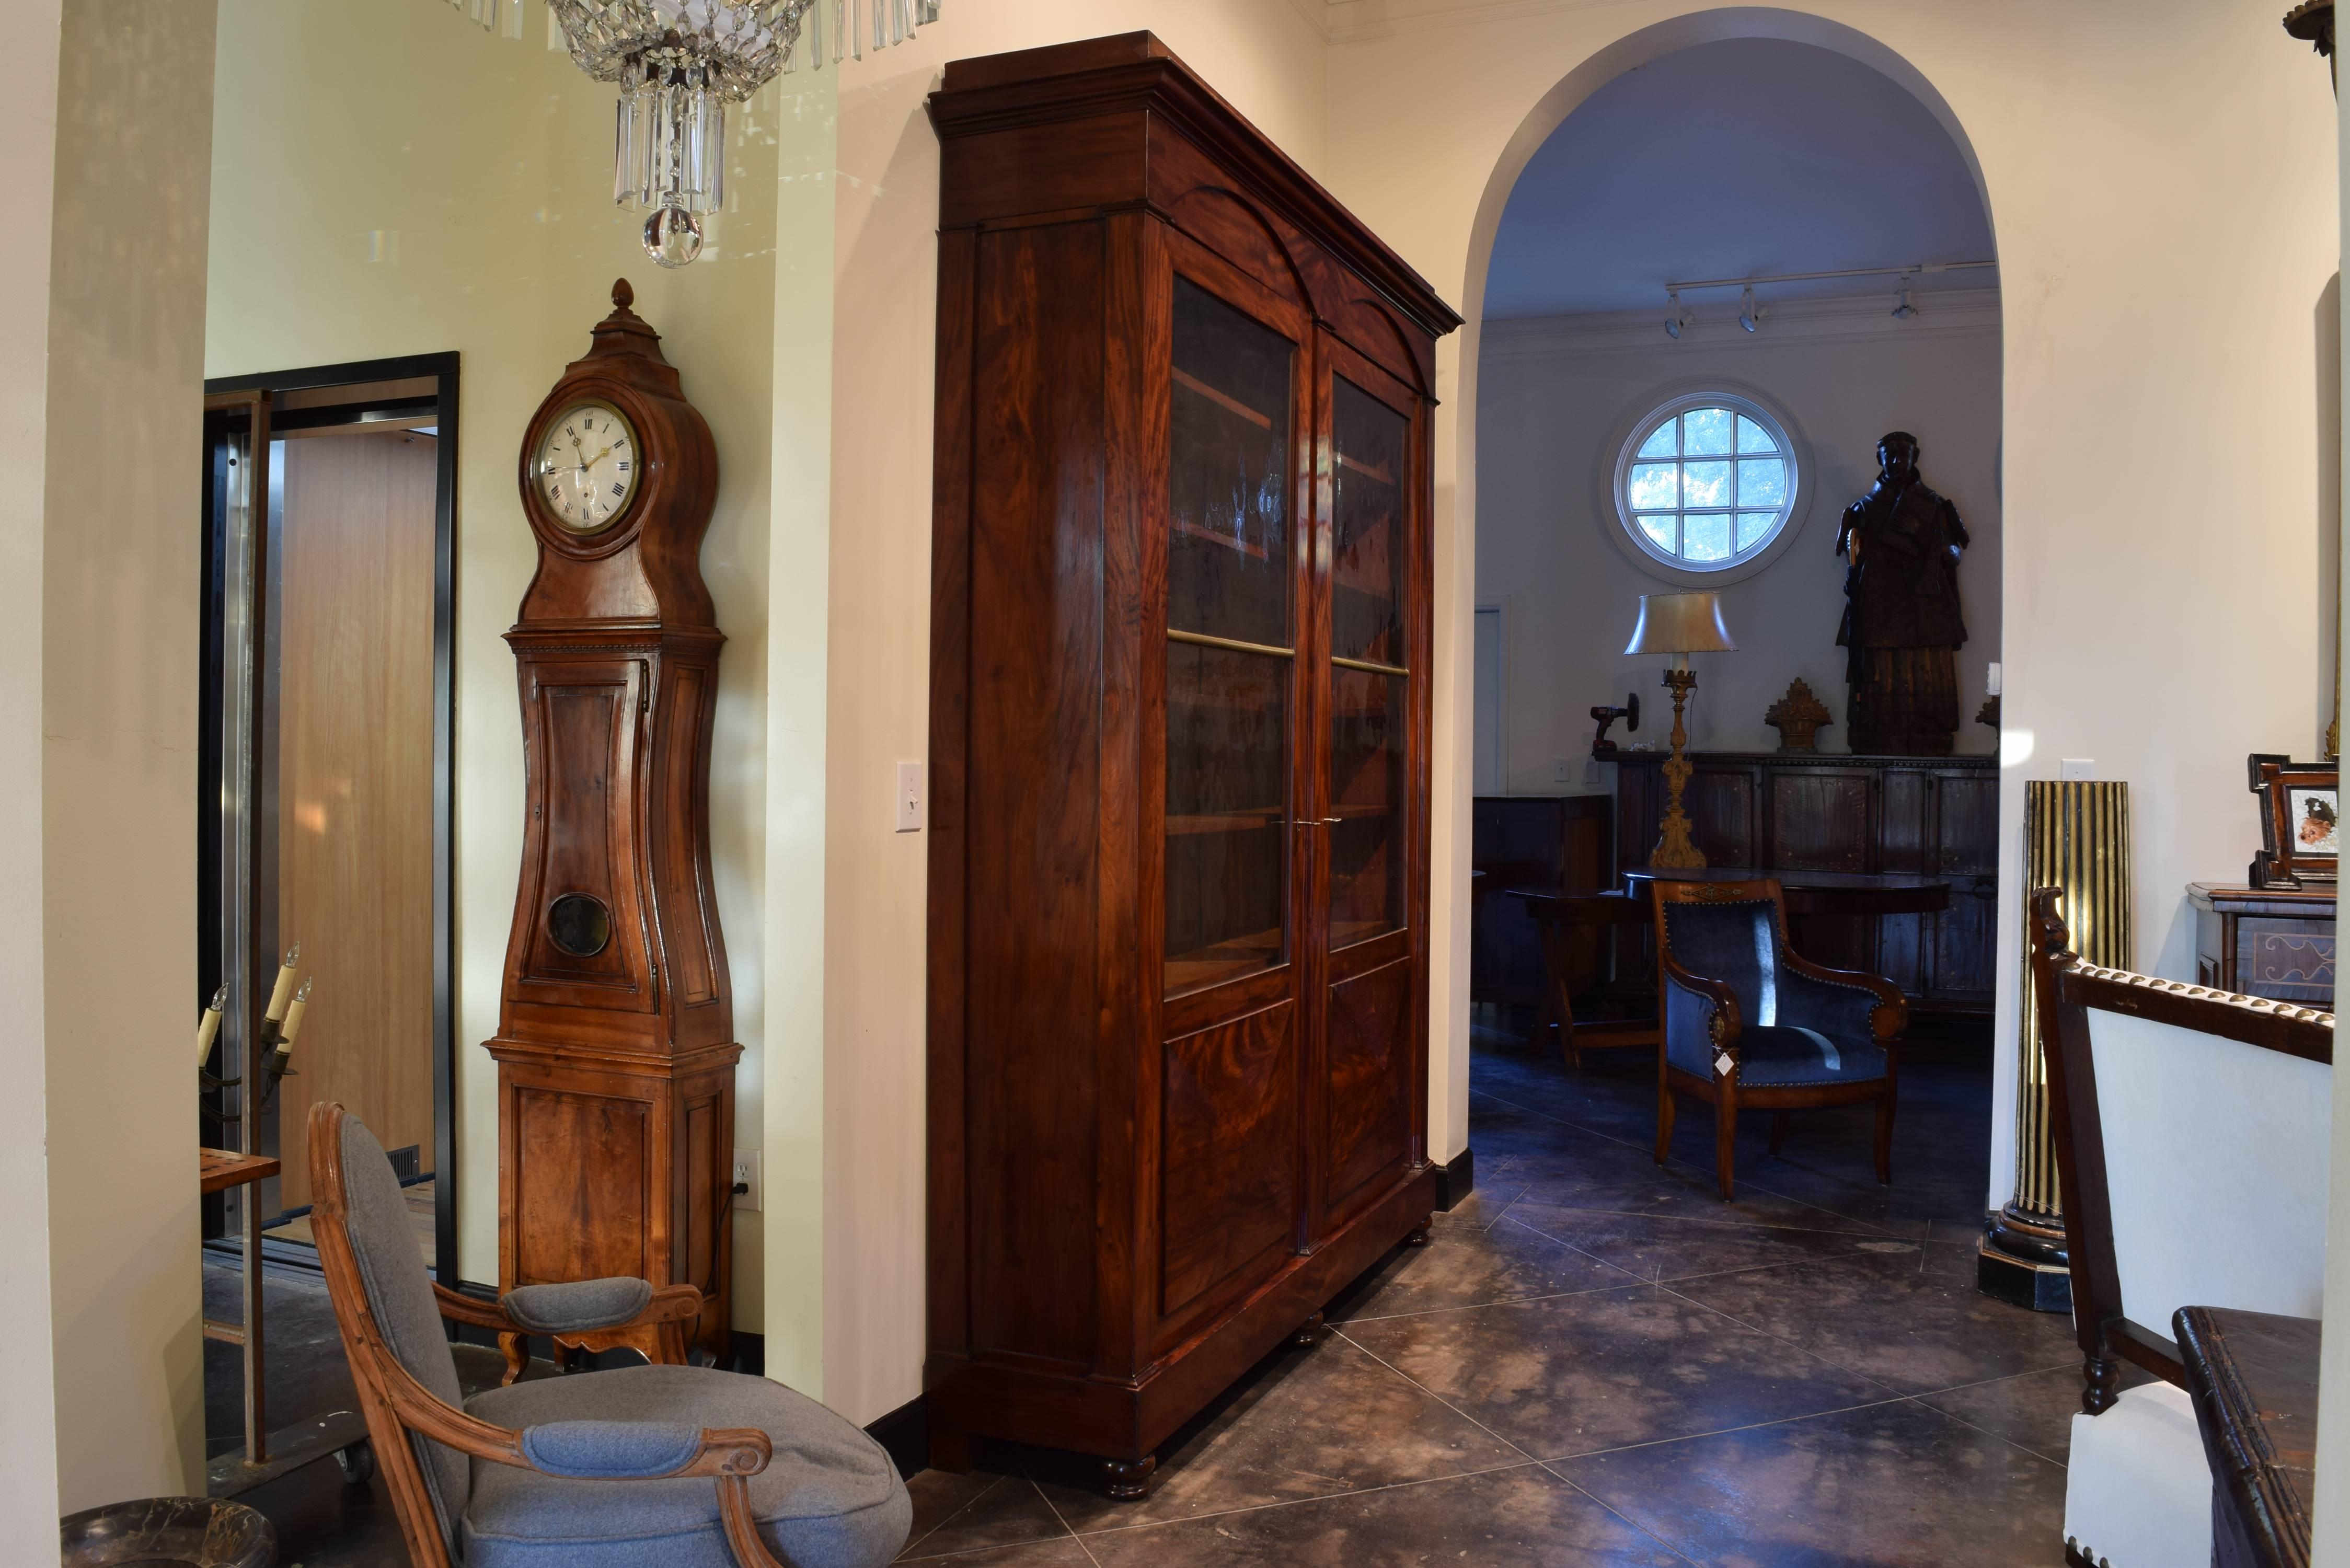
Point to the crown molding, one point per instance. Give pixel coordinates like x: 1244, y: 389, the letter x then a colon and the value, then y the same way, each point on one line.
x: 1366, y: 21
x: 1948, y: 313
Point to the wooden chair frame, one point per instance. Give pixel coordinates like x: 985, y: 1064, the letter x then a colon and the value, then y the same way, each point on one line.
x: 2065, y: 989
x: 1724, y: 1091
x: 395, y: 1404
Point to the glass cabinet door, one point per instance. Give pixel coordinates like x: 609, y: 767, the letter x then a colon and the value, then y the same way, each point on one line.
x: 1369, y: 721
x: 1231, y: 643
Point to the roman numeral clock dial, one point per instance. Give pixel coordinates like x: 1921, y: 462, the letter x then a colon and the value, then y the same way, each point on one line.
x: 586, y: 466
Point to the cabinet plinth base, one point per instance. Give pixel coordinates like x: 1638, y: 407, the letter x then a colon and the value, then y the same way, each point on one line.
x: 1126, y: 1419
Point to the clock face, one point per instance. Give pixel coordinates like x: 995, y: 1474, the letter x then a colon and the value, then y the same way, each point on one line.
x: 586, y: 466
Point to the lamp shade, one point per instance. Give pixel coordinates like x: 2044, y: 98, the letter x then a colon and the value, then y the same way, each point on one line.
x: 1680, y: 623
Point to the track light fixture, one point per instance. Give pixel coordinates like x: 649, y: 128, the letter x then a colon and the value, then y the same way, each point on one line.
x: 1748, y: 313
x: 1675, y: 316
x: 1903, y: 310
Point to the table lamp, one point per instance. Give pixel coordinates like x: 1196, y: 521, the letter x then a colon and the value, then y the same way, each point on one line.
x: 1679, y: 625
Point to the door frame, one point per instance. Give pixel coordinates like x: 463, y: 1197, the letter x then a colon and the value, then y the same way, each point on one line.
x: 444, y: 370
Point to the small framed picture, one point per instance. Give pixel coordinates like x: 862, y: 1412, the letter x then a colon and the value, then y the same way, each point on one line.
x: 2301, y: 821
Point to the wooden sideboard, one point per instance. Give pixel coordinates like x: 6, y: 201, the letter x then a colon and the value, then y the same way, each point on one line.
x: 2277, y: 942
x: 1778, y: 811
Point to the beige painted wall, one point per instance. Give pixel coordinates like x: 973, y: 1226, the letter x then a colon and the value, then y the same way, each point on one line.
x: 120, y: 616
x: 29, y: 1451
x: 389, y: 179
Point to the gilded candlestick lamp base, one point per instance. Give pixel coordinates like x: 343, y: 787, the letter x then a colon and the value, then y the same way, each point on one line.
x: 1675, y: 850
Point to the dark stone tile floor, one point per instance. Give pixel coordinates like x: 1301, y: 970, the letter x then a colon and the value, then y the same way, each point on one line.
x: 1594, y: 1362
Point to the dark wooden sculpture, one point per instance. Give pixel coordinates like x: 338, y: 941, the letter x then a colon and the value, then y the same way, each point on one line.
x: 1902, y: 624
x: 1180, y: 716
x: 616, y: 1043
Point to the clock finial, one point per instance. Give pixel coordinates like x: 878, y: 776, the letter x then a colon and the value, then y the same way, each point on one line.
x: 623, y: 295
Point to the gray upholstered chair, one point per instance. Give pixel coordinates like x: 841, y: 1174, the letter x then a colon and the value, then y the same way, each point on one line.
x: 595, y: 1471
x: 1749, y: 1024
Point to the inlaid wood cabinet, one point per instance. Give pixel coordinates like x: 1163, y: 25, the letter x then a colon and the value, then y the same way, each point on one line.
x: 1180, y: 720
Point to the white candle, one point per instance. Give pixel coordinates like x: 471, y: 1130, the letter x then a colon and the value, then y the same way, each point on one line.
x: 292, y: 1021
x: 285, y: 990
x: 208, y: 1025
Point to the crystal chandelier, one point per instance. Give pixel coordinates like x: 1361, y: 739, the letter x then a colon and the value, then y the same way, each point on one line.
x: 679, y: 64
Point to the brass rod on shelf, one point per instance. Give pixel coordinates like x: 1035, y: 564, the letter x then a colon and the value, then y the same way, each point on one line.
x: 1201, y: 639
x: 1368, y: 667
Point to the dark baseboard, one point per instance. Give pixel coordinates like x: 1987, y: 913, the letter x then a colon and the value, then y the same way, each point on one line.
x: 905, y: 1432
x: 1457, y: 1179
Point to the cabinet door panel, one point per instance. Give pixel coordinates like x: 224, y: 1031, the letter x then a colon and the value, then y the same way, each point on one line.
x: 1966, y: 850
x: 1232, y: 587
x: 1369, y: 1046
x: 1228, y: 1140
x: 1820, y: 821
x: 1719, y: 803
x: 583, y: 1186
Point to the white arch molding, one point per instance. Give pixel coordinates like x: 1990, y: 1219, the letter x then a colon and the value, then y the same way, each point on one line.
x: 1457, y: 616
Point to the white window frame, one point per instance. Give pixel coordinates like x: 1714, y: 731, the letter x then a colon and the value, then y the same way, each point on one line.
x: 1623, y: 451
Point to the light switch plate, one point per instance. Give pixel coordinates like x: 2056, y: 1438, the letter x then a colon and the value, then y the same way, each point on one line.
x: 2080, y: 767
x: 746, y: 1176
x: 1561, y: 770
x: 909, y: 797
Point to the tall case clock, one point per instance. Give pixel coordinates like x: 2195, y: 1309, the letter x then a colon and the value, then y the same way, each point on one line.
x: 616, y: 1045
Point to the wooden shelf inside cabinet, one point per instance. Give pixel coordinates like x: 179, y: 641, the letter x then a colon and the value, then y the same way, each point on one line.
x: 1226, y: 959
x: 1188, y: 382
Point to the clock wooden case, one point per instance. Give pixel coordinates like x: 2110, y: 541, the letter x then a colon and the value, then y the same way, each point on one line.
x: 1180, y: 718
x: 615, y: 1046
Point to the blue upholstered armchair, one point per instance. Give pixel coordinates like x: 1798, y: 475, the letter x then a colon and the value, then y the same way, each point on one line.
x: 1750, y: 1025
x: 684, y: 1467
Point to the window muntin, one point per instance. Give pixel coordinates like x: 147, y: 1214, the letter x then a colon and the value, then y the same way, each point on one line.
x: 1706, y: 481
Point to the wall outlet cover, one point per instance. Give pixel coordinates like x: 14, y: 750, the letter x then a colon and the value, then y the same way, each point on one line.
x: 747, y: 1193
x: 2080, y: 768
x: 1561, y: 769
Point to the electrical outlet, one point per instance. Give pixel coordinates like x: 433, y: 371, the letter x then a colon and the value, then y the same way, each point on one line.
x: 2080, y: 767
x: 1591, y: 773
x: 909, y: 797
x: 1561, y: 769
x: 746, y: 1180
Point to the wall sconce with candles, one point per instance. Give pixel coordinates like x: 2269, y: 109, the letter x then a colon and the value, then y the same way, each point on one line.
x: 279, y: 1025
x: 1679, y: 625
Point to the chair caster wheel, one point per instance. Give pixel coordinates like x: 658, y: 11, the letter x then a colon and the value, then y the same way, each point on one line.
x: 357, y: 1462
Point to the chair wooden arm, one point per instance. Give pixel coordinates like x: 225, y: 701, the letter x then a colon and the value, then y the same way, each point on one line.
x: 1887, y: 1019
x: 465, y: 1309
x: 729, y: 1454
x: 1725, y: 1022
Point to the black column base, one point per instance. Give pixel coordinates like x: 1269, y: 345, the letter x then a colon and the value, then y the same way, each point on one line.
x: 2022, y: 1261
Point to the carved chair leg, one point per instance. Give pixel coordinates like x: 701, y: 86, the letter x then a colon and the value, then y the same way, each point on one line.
x: 1725, y: 1144
x: 516, y: 1347
x: 2101, y: 1381
x: 1666, y: 1106
x: 1885, y: 1138
x: 1778, y: 1129
x: 1128, y: 1480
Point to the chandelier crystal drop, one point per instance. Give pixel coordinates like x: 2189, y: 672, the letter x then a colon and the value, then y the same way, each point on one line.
x: 678, y: 63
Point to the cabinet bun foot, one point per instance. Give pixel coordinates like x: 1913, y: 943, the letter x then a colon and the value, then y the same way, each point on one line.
x: 1128, y: 1480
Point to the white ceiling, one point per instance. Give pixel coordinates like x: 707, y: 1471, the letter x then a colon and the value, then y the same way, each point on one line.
x: 1726, y: 160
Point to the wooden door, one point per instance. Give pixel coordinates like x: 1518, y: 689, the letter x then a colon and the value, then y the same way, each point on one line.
x: 354, y: 724
x: 1230, y: 862
x: 1368, y: 666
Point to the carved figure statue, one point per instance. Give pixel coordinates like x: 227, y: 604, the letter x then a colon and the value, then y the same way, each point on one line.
x: 1902, y: 624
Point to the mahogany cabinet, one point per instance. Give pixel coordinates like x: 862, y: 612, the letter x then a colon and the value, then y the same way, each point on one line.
x: 1179, y: 717
x: 1774, y: 810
